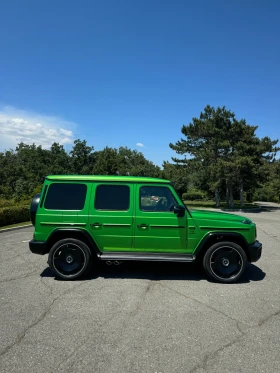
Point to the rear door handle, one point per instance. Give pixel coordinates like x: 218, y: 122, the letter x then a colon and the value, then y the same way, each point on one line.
x: 144, y: 226
x: 96, y: 225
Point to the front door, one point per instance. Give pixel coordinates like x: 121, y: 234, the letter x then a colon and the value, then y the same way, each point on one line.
x: 156, y: 227
x: 111, y: 216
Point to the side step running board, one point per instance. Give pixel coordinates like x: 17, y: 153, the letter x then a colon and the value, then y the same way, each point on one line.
x: 158, y: 257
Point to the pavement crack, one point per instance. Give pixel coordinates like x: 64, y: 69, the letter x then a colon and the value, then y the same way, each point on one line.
x: 48, y: 287
x: 269, y: 235
x: 19, y: 277
x: 267, y: 319
x: 23, y: 334
x: 132, y: 313
x: 213, y: 355
x: 44, y: 314
x: 76, y: 350
x: 11, y: 258
x: 238, y: 323
x: 142, y: 299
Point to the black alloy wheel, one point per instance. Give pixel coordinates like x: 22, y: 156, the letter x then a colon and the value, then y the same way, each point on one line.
x: 225, y: 262
x: 70, y: 259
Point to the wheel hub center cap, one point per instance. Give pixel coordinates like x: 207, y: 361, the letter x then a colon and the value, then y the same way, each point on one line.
x: 69, y: 259
x: 225, y: 262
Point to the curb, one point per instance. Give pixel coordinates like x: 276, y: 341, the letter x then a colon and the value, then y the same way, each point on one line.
x: 15, y: 228
x: 244, y: 210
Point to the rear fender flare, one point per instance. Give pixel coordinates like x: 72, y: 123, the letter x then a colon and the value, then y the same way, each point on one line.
x: 77, y: 233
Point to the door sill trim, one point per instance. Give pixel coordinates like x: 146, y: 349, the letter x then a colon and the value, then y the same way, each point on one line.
x: 140, y: 256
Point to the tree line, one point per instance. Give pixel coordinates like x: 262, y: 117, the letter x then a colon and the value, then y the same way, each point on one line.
x: 219, y: 157
x: 227, y: 157
x: 22, y: 171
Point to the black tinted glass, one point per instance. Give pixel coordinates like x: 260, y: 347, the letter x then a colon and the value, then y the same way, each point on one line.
x: 112, y: 197
x: 66, y: 197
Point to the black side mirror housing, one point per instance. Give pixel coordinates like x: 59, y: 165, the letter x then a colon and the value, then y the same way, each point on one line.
x: 179, y: 211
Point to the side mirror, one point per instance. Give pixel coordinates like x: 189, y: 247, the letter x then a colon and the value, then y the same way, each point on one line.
x: 179, y: 211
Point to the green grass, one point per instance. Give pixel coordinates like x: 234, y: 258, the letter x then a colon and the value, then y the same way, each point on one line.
x: 211, y: 204
x: 15, y: 225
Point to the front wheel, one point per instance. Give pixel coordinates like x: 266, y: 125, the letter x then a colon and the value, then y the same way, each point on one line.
x: 225, y: 262
x: 70, y: 259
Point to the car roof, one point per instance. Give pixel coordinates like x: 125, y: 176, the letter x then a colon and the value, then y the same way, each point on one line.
x: 113, y: 178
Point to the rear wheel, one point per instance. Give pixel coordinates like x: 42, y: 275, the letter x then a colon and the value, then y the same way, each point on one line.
x: 225, y: 262
x: 70, y: 259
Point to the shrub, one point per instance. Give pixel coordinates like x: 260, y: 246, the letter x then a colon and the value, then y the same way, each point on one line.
x: 266, y: 195
x: 6, y: 203
x: 14, y: 214
x: 12, y: 202
x: 193, y: 194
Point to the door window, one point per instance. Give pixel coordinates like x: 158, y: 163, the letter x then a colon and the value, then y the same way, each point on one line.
x: 156, y: 199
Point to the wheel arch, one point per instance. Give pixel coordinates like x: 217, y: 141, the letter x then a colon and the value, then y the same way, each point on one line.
x: 79, y: 234
x: 212, y: 238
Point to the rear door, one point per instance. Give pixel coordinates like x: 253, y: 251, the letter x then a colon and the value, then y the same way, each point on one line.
x: 111, y: 216
x: 156, y: 227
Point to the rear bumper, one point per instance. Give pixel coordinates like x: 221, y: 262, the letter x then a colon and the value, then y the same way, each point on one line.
x: 255, y: 251
x: 38, y: 247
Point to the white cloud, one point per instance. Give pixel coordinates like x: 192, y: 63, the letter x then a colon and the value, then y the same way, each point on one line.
x: 140, y: 145
x: 22, y: 126
x: 65, y: 132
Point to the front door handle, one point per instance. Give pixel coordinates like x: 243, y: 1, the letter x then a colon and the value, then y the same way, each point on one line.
x: 96, y: 225
x: 143, y: 226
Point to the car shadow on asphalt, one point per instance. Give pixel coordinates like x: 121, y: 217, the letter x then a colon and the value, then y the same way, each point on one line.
x: 157, y: 271
x: 263, y: 207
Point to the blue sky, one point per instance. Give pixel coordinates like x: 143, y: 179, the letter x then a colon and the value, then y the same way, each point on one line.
x: 121, y: 73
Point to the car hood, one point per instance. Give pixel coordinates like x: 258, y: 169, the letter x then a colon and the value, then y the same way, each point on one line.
x: 212, y: 216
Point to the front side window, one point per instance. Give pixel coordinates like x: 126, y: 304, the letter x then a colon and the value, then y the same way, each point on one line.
x: 158, y: 199
x: 112, y: 197
x: 66, y: 197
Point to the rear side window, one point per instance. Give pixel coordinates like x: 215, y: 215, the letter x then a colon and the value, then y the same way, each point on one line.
x: 66, y: 197
x: 112, y: 197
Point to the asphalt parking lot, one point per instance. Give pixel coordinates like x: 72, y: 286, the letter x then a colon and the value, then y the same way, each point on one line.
x: 139, y: 317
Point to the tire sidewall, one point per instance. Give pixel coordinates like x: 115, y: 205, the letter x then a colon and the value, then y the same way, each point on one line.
x: 208, y: 269
x: 82, y: 246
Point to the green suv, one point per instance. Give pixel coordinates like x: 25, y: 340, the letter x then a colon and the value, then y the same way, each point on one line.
x: 115, y: 218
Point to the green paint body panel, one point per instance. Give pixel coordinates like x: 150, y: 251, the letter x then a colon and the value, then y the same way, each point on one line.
x: 135, y: 230
x: 211, y: 221
x: 111, y: 230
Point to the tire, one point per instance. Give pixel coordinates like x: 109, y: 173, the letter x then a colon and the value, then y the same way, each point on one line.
x: 70, y: 259
x: 225, y: 262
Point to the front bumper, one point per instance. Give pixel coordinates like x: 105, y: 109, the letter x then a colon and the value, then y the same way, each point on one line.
x: 255, y: 251
x: 38, y: 247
